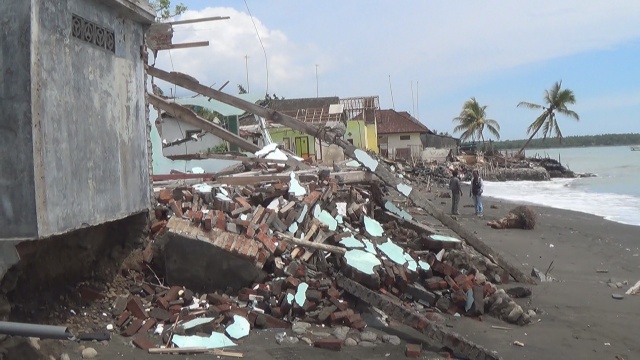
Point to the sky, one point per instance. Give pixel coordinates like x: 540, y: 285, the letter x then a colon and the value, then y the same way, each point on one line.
x: 425, y: 57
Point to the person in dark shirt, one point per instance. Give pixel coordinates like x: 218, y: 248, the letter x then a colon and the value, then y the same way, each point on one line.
x: 456, y: 192
x: 477, y: 187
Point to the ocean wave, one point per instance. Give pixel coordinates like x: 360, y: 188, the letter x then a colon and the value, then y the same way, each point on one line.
x: 567, y: 194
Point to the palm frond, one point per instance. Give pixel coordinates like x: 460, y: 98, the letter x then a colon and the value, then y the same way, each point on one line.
x: 569, y: 113
x: 529, y: 105
x: 537, y: 123
x: 494, y: 131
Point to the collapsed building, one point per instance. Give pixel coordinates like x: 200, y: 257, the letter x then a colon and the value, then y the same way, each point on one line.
x: 286, y: 241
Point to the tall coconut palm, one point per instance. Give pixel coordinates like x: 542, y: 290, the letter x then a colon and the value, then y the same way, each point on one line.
x: 473, y: 122
x: 556, y: 100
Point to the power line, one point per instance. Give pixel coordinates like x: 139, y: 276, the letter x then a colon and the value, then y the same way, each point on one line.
x: 266, y: 64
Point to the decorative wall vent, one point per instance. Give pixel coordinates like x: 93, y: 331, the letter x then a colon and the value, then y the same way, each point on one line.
x: 90, y: 32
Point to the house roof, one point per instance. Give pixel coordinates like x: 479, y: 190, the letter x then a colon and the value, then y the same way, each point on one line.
x: 393, y: 122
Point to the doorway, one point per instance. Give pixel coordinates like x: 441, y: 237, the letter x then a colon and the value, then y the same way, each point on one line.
x: 302, y: 147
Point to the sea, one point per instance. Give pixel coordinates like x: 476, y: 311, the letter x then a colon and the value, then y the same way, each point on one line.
x: 614, y: 193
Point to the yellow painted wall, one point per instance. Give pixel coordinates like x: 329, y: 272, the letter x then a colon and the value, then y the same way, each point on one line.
x: 372, y: 137
x: 279, y: 134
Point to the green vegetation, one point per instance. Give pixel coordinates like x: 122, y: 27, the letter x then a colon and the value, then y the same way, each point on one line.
x: 572, y: 141
x: 473, y: 121
x: 555, y: 100
x: 164, y: 11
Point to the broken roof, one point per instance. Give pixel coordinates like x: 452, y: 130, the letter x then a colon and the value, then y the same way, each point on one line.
x: 393, y: 122
x: 220, y: 107
x: 302, y: 103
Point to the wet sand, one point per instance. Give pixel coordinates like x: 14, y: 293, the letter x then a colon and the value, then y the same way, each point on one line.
x: 579, y: 317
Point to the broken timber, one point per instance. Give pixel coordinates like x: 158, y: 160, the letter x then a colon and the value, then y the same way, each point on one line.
x: 433, y: 331
x: 312, y: 245
x: 379, y: 168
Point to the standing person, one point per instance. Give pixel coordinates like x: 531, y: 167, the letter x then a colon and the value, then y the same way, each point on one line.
x: 477, y: 187
x: 456, y: 192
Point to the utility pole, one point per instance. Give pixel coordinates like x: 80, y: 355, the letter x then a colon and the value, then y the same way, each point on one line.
x: 246, y: 66
x: 316, y: 80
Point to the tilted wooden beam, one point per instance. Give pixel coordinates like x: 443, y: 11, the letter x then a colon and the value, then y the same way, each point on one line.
x: 383, y: 172
x: 182, y: 113
x: 183, y: 45
x: 191, y: 21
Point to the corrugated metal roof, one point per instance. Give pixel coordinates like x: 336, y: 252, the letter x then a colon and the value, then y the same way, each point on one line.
x: 393, y: 122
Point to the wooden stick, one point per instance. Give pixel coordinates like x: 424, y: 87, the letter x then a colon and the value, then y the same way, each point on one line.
x: 312, y: 245
x: 196, y: 350
x: 500, y: 327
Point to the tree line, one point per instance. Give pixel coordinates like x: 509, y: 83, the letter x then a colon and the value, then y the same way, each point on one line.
x: 572, y: 141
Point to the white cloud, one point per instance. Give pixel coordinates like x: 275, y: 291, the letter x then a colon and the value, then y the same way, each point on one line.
x: 443, y: 45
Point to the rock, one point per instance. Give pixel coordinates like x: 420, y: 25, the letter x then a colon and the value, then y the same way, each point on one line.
x: 35, y: 343
x: 300, y: 327
x: 480, y: 278
x: 531, y: 313
x: 369, y: 336
x: 65, y: 356
x: 391, y: 339
x: 89, y: 353
x: 619, y: 285
x: 367, y: 344
x: 519, y: 292
x: 350, y: 342
x: 321, y: 334
x: 341, y: 332
x: 307, y: 341
x: 612, y: 285
x: 617, y: 296
x: 443, y: 304
x: 515, y: 314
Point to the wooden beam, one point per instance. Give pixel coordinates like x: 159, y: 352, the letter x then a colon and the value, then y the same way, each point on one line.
x: 182, y: 113
x: 183, y: 45
x: 383, y: 172
x: 312, y: 245
x: 164, y: 177
x: 191, y: 21
x: 226, y: 157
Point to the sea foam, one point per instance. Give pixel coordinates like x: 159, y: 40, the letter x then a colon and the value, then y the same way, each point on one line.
x: 562, y: 194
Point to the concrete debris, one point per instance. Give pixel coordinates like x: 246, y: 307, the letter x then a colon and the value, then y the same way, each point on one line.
x: 89, y: 353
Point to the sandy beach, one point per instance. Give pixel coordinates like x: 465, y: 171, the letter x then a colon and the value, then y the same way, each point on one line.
x: 579, y: 319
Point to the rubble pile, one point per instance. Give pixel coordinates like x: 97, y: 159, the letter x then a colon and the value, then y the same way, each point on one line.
x: 272, y: 254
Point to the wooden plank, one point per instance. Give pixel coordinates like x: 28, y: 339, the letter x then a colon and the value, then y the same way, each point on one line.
x: 226, y: 157
x: 164, y: 177
x: 312, y: 245
x: 191, y: 21
x: 183, y: 45
x: 182, y: 113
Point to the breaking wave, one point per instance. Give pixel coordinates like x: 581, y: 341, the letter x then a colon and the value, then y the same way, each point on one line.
x: 569, y: 194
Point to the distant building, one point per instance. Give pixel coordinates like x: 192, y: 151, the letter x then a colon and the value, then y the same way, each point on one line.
x: 399, y: 134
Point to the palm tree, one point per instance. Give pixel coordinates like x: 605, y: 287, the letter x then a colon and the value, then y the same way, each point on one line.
x: 555, y: 100
x: 473, y: 120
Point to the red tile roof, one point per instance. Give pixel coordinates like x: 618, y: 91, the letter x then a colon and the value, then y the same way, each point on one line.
x: 393, y: 122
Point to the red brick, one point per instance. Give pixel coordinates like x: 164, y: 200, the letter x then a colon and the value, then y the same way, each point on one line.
x: 148, y: 289
x: 221, y: 222
x: 413, y: 351
x: 156, y: 226
x: 133, y: 328
x: 281, y: 247
x: 187, y: 195
x: 165, y: 196
x: 147, y: 253
x: 329, y: 344
x: 274, y: 323
x: 222, y: 308
x: 122, y: 318
x: 143, y: 342
x: 267, y: 241
x: 217, y: 299
x: 162, y: 303
x: 135, y: 307
x: 90, y: 294
x: 242, y: 201
x: 175, y: 207
x: 148, y: 324
x: 333, y: 292
x: 451, y: 283
x: 292, y: 283
x: 173, y: 293
x: 175, y: 309
x: 342, y: 306
x: 197, y: 218
x: 341, y: 315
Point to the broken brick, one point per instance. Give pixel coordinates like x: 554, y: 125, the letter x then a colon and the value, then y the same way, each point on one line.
x: 135, y: 307
x: 122, y: 318
x: 413, y: 350
x: 329, y: 344
x: 341, y: 315
x: 90, y: 294
x: 143, y: 342
x: 133, y: 328
x: 146, y: 326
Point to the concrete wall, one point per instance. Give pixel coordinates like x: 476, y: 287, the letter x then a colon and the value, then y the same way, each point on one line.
x: 17, y: 197
x: 78, y: 116
x: 173, y: 129
x: 393, y: 142
x: 439, y: 142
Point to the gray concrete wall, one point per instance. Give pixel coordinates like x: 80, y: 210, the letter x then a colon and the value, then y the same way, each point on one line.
x: 79, y: 118
x: 17, y: 199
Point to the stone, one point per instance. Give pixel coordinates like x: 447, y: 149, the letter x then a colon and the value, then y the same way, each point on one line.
x: 612, y: 285
x: 391, y: 339
x: 321, y: 334
x: 531, y: 313
x: 515, y: 314
x: 300, y: 327
x: 413, y: 350
x: 89, y: 353
x: 368, y: 336
x: 367, y: 344
x: 350, y: 342
x: 307, y: 341
x: 65, y: 356
x: 341, y: 332
x: 619, y: 284
x: 443, y: 304
x: 617, y: 296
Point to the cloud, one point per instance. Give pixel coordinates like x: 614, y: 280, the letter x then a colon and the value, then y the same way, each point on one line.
x: 443, y: 45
